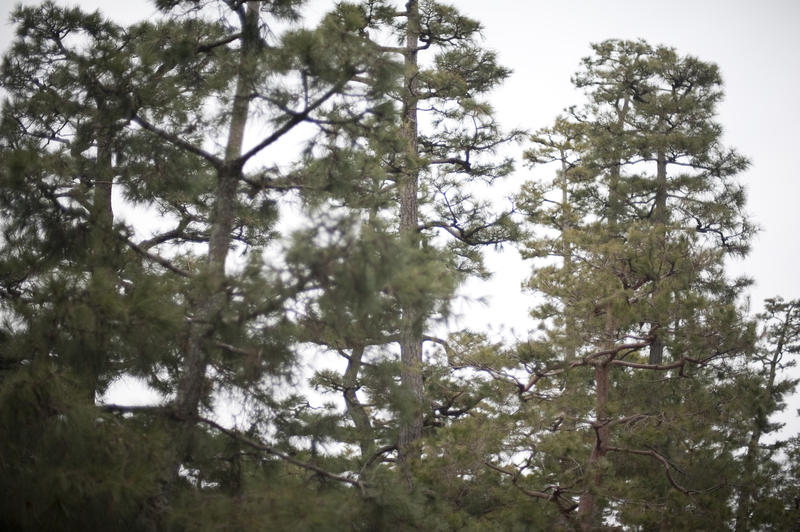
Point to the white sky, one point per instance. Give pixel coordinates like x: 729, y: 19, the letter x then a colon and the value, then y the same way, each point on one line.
x: 755, y: 44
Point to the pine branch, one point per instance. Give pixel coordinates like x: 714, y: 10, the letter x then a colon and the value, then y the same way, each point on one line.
x: 207, y: 47
x: 295, y: 119
x: 156, y: 258
x: 238, y: 436
x: 178, y: 232
x: 283, y: 456
x: 136, y: 409
x: 239, y: 350
x: 667, y: 466
x: 377, y: 454
x: 177, y: 141
x: 555, y: 494
x: 591, y: 359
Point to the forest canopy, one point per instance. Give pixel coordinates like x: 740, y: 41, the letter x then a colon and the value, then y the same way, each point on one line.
x: 304, y: 201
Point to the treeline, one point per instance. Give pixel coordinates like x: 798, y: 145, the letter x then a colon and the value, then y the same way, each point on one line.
x: 645, y: 398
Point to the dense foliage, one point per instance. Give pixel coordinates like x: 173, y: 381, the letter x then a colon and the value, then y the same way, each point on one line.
x: 267, y: 221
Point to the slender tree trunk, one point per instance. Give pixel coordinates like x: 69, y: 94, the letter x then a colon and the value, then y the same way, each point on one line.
x: 660, y: 218
x: 356, y: 411
x: 211, y: 297
x: 746, y: 491
x: 101, y: 281
x: 567, y: 252
x: 614, y: 194
x: 660, y: 209
x: 588, y: 516
x: 411, y: 418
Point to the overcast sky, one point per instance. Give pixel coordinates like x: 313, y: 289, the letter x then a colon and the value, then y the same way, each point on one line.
x: 755, y: 44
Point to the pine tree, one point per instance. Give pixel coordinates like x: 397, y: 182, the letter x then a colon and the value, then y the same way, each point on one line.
x: 644, y: 393
x: 60, y: 125
x: 756, y: 493
x: 74, y: 297
x: 442, y: 153
x: 149, y: 101
x: 431, y: 166
x: 641, y: 268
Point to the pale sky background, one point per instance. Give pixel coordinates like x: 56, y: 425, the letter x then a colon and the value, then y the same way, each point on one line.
x: 755, y: 44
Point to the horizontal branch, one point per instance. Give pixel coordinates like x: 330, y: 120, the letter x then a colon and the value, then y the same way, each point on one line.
x: 296, y: 118
x: 283, y: 456
x: 177, y: 141
x: 664, y: 462
x: 207, y: 47
x: 587, y: 360
x: 172, y: 234
x: 134, y: 409
x: 466, y: 236
x: 403, y: 49
x: 156, y: 258
x: 465, y: 164
x: 555, y: 496
x: 164, y: 410
x: 656, y: 367
x: 239, y: 350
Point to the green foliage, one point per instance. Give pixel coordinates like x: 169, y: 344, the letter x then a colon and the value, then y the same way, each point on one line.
x: 277, y: 293
x: 641, y: 213
x: 66, y: 466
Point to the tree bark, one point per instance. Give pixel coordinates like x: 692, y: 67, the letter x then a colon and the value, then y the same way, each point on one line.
x: 212, y: 292
x: 569, y: 324
x: 411, y: 416
x: 588, y: 515
x: 355, y: 409
x: 211, y: 296
x: 614, y: 195
x: 656, y: 355
x: 101, y: 280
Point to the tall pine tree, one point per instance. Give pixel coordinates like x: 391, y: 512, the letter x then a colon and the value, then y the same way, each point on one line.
x: 641, y: 269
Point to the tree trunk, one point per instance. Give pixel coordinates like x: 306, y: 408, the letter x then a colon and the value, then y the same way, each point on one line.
x: 660, y: 218
x: 588, y: 514
x: 614, y: 195
x: 747, y: 489
x: 569, y: 324
x: 411, y: 416
x: 101, y: 281
x: 355, y: 409
x: 211, y: 297
x: 211, y: 300
x: 212, y: 292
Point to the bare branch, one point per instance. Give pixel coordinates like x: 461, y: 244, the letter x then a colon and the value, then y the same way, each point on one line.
x: 464, y: 163
x: 296, y: 118
x: 207, y: 47
x: 589, y: 360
